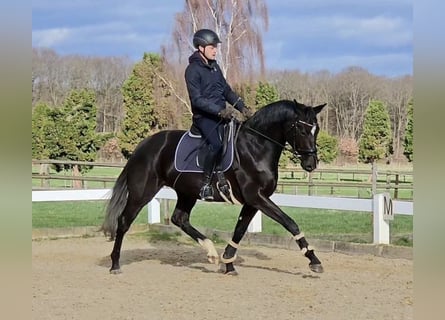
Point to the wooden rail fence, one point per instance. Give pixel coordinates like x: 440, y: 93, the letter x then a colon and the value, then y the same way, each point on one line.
x: 323, y: 181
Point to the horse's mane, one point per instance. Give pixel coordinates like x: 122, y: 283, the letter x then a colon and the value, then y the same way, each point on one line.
x: 276, y: 112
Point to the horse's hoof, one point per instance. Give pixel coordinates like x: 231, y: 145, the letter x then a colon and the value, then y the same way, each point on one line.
x: 115, y: 271
x: 213, y: 259
x: 317, y: 267
x: 223, y: 270
x: 228, y: 273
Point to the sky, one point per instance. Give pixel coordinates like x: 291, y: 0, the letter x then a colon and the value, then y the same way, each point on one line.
x: 304, y: 35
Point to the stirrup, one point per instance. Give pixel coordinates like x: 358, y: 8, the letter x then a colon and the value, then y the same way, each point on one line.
x: 206, y: 192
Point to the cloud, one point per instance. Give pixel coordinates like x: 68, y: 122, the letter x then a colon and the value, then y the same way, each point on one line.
x: 337, y: 6
x: 114, y: 38
x: 377, y: 30
x: 50, y: 37
x: 124, y: 28
x: 322, y: 30
x: 380, y: 43
x: 380, y: 64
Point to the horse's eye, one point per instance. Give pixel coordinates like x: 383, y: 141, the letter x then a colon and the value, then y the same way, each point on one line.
x: 302, y: 130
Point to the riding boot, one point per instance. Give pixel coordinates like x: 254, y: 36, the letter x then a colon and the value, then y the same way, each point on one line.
x: 206, y: 192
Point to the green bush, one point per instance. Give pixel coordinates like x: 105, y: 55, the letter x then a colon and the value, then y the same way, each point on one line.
x: 327, y: 147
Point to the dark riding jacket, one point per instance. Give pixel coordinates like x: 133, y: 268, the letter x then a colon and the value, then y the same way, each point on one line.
x: 208, y: 89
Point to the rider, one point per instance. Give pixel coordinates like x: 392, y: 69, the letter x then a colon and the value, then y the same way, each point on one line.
x: 208, y: 92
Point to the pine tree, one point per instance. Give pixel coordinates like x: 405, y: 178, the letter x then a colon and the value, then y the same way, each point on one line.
x: 265, y: 94
x: 409, y: 136
x: 80, y: 111
x: 40, y: 122
x: 143, y: 115
x: 376, y: 140
x: 58, y: 137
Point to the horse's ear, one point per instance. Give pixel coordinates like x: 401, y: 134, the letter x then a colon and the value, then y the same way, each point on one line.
x: 297, y: 103
x: 317, y: 109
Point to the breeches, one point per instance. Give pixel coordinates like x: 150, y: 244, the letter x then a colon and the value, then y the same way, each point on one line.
x: 210, y: 130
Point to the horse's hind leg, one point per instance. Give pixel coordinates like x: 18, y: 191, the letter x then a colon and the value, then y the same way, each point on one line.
x: 181, y: 218
x: 228, y: 257
x: 124, y: 221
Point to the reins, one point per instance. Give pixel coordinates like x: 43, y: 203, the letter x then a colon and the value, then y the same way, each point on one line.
x: 294, y: 150
x: 267, y: 137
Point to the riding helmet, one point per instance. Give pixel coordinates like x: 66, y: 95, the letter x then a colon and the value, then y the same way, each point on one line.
x: 205, y: 37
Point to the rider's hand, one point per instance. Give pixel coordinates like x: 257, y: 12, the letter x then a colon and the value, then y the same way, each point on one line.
x: 247, y: 113
x: 230, y: 113
x: 226, y: 114
x: 238, y: 116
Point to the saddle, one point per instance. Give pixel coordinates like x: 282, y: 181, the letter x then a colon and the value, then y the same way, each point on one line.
x: 192, y: 148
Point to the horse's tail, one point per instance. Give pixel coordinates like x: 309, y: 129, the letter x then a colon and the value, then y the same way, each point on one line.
x: 115, y: 205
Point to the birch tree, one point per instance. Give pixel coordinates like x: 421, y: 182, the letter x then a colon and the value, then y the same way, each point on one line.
x: 239, y: 25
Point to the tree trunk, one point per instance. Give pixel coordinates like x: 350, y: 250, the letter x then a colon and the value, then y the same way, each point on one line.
x: 374, y: 178
x: 77, y: 184
x: 44, y: 170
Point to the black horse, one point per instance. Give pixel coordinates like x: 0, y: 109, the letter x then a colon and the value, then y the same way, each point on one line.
x: 253, y: 178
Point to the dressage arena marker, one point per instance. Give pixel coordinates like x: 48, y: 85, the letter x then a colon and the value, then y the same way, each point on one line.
x: 383, y: 213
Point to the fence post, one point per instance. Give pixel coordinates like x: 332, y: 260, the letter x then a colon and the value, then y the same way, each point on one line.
x: 396, y: 188
x: 154, y: 211
x: 166, y: 208
x: 382, y: 210
x: 374, y: 178
x: 256, y: 224
x: 309, y: 189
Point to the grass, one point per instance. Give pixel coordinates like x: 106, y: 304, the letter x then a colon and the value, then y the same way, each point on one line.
x: 71, y: 214
x: 315, y: 223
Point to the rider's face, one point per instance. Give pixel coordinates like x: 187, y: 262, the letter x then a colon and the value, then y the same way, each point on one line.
x: 209, y: 51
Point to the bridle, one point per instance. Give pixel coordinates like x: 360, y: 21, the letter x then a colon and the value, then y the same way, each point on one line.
x: 293, y: 149
x: 299, y: 152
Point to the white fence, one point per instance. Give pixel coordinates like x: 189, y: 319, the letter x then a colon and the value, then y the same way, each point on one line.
x: 381, y: 205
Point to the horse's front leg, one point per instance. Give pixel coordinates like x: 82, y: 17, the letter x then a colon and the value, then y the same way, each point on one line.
x: 181, y: 218
x: 273, y: 211
x: 229, y: 256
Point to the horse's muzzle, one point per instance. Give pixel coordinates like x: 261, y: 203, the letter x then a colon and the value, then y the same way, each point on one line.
x: 309, y: 161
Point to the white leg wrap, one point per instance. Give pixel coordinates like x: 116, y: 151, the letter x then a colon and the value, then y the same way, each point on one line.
x: 212, y: 254
x: 229, y: 260
x: 304, y: 250
x: 233, y: 244
x: 299, y: 236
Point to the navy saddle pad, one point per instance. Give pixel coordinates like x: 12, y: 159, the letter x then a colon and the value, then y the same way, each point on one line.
x: 189, y: 153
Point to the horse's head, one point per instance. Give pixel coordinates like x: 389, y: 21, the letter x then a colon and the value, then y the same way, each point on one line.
x: 302, y: 134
